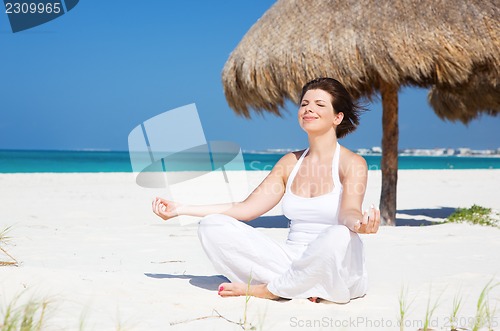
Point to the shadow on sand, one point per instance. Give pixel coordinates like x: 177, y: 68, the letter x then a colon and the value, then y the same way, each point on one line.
x: 420, y: 217
x: 407, y: 217
x: 275, y: 222
x: 206, y: 282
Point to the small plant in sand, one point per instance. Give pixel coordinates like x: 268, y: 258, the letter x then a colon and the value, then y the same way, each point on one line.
x: 429, y: 312
x: 475, y: 215
x: 457, y: 304
x: 247, y: 299
x: 27, y: 317
x: 262, y: 319
x: 484, y: 314
x: 490, y: 315
x: 404, y: 306
x: 4, y: 239
x: 244, y: 324
x: 83, y: 320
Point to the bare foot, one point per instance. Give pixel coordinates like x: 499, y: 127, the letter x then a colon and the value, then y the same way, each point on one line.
x: 314, y: 299
x: 240, y: 289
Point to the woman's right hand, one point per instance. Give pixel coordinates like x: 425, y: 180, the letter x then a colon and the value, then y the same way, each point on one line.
x: 165, y: 209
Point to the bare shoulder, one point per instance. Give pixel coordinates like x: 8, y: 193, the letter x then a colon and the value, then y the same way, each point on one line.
x: 290, y: 158
x: 351, y: 163
x: 285, y: 165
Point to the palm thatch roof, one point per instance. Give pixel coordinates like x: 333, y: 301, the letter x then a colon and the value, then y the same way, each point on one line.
x: 453, y: 47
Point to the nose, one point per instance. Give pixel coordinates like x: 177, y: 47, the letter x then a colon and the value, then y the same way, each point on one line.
x: 307, y: 109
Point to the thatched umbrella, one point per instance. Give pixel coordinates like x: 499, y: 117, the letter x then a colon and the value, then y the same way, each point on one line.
x: 372, y: 47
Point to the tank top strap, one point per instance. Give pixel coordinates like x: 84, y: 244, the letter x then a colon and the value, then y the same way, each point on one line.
x: 336, y: 167
x: 295, y: 170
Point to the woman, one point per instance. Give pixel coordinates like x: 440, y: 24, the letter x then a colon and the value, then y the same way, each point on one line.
x: 322, y: 190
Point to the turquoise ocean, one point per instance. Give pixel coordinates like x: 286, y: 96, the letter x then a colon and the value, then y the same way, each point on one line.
x: 24, y: 161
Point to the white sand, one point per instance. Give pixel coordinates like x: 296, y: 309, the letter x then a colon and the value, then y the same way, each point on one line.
x: 90, y: 243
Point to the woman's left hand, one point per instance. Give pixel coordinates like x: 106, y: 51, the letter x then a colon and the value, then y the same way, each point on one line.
x: 369, y: 223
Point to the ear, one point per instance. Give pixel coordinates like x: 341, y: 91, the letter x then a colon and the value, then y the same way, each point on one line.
x: 338, y: 118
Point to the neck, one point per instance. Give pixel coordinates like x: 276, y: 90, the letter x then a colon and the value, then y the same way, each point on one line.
x: 322, y: 145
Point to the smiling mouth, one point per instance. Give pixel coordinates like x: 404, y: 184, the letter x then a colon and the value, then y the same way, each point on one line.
x: 309, y: 118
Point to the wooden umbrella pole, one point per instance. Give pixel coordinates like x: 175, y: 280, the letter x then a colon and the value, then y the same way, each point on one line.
x: 389, y: 162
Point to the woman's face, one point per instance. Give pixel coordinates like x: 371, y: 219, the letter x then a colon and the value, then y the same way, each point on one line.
x: 316, y: 112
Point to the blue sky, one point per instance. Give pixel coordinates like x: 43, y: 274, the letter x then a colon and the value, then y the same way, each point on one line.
x: 87, y: 78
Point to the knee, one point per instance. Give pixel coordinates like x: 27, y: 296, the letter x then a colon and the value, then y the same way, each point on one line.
x: 213, y: 224
x: 215, y: 219
x: 338, y: 231
x: 337, y: 236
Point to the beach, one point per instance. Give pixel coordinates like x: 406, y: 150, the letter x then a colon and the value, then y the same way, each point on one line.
x: 90, y: 244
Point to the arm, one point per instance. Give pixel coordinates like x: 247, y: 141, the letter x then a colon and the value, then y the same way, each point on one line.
x: 355, y: 174
x: 261, y: 200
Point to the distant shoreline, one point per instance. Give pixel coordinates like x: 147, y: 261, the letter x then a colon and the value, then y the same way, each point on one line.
x: 113, y: 161
x: 378, y: 154
x: 283, y: 151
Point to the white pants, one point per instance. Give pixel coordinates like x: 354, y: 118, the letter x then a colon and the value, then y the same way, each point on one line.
x: 331, y: 267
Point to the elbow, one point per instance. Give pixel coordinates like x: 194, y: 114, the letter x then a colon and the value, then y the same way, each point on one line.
x: 241, y: 212
x: 247, y: 217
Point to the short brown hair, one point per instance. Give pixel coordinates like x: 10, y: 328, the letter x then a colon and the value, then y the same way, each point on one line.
x: 342, y: 102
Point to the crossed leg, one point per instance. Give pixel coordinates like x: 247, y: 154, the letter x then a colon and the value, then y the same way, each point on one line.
x: 248, y: 258
x: 258, y: 266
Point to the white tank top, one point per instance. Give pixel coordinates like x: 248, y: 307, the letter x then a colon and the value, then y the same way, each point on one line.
x: 310, y: 216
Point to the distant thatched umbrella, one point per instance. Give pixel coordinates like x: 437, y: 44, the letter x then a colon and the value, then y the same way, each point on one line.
x: 453, y: 47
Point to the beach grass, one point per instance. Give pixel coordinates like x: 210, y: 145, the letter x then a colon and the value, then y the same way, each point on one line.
x: 243, y: 322
x: 484, y: 314
x: 490, y: 315
x: 262, y: 319
x: 4, y: 240
x: 404, y: 306
x: 429, y: 312
x: 30, y: 316
x: 457, y: 305
x: 475, y: 215
x: 485, y: 317
x: 83, y: 320
x: 247, y: 299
